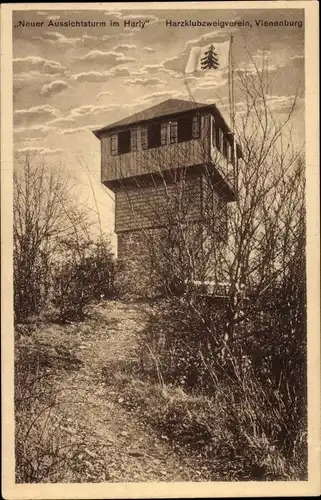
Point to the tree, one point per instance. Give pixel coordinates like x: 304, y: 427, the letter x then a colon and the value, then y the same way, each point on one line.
x: 210, y: 61
x: 251, y: 346
x: 265, y: 243
x: 44, y: 212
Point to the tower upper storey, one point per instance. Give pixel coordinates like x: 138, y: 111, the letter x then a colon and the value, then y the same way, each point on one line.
x: 173, y: 134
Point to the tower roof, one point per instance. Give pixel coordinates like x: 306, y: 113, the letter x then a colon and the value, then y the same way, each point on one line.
x: 166, y: 108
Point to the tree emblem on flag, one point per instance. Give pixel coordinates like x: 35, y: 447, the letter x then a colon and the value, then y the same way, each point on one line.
x: 210, y: 59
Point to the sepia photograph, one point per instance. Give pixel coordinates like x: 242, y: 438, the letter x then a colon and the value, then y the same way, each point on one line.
x: 160, y: 269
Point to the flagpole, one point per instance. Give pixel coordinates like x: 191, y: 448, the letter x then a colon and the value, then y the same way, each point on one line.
x: 232, y: 111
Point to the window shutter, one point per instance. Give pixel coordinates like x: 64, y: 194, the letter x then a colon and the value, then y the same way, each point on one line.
x: 196, y: 128
x: 173, y: 132
x: 163, y: 134
x: 213, y: 132
x: 133, y: 139
x: 225, y: 148
x: 218, y: 135
x: 113, y: 144
x: 144, y: 142
x: 221, y: 141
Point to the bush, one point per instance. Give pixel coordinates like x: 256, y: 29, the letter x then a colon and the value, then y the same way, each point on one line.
x: 44, y: 452
x: 255, y: 385
x: 87, y: 272
x: 234, y: 432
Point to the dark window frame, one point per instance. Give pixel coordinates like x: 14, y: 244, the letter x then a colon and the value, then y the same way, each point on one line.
x: 225, y: 147
x: 154, y: 135
x: 173, y: 132
x: 144, y: 137
x: 196, y: 127
x: 124, y: 145
x: 134, y: 139
x: 114, y: 145
x: 185, y: 129
x: 218, y: 138
x: 213, y: 138
x: 164, y: 129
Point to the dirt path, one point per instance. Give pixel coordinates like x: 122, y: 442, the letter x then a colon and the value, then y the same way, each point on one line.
x: 117, y: 446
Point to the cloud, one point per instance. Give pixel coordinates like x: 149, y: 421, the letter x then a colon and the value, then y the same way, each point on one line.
x: 211, y: 83
x: 148, y: 49
x: 33, y: 132
x: 262, y: 54
x: 212, y: 37
x: 143, y: 83
x: 154, y: 68
x: 76, y: 115
x: 49, y: 17
x: 79, y: 130
x: 91, y: 110
x: 157, y: 96
x: 34, y: 115
x: 57, y: 39
x: 53, y: 88
x: 107, y: 58
x: 113, y: 14
x: 297, y: 57
x: 297, y: 61
x: 101, y: 94
x: 54, y: 37
x: 39, y: 64
x: 100, y: 76
x: 40, y: 151
x: 282, y: 103
x: 124, y: 46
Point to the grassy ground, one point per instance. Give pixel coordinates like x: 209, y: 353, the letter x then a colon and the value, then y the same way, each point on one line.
x: 89, y: 431
x: 88, y: 410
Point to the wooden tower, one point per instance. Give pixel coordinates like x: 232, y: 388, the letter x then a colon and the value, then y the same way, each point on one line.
x: 142, y: 157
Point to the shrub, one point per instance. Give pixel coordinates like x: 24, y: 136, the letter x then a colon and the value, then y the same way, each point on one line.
x: 258, y: 380
x: 85, y: 273
x: 234, y: 432
x: 44, y: 452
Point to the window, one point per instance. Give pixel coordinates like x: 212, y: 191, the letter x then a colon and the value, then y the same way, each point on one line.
x: 196, y: 127
x: 163, y: 134
x: 225, y: 150
x: 144, y: 142
x: 124, y: 142
x: 113, y: 145
x: 220, y: 140
x: 173, y: 132
x: 221, y: 135
x: 133, y: 139
x: 154, y: 135
x: 218, y: 134
x: 213, y: 132
x: 185, y: 129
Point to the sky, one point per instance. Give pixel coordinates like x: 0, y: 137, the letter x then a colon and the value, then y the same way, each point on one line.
x: 68, y: 81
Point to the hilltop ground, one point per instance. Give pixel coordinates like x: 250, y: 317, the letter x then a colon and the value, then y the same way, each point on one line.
x: 106, y: 437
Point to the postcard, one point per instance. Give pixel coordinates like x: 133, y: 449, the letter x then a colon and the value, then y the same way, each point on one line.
x: 160, y: 250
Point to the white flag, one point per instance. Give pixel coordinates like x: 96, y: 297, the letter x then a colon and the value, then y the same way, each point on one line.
x: 212, y: 56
